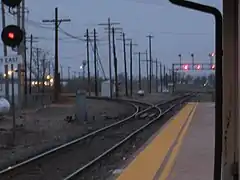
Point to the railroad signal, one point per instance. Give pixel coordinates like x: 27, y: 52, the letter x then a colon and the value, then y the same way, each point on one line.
x: 12, y: 3
x: 12, y: 36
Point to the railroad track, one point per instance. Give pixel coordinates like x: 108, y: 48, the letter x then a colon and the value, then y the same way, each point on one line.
x: 70, y: 160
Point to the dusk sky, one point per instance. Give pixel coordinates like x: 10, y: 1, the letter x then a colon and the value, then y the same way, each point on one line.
x: 176, y: 30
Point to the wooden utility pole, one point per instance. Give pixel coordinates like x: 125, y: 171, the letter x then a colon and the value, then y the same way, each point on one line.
x: 69, y: 73
x: 95, y: 62
x: 38, y: 70
x: 31, y: 38
x: 5, y: 54
x: 161, y: 77
x: 109, y: 24
x: 125, y: 64
x: 88, y: 64
x: 115, y: 63
x: 57, y: 22
x: 156, y: 75
x: 131, y: 44
x: 139, y: 68
x: 30, y: 68
x: 150, y: 59
x: 139, y: 71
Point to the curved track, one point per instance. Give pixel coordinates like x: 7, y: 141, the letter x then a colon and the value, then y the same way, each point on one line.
x: 71, y: 159
x: 37, y: 166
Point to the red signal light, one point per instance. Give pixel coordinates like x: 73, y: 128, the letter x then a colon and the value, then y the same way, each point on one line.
x: 11, y: 35
x: 198, y: 67
x: 185, y: 67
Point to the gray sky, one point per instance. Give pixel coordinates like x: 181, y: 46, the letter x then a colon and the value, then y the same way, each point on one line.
x: 175, y: 30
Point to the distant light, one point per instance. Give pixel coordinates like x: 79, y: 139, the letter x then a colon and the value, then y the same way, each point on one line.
x: 213, y: 66
x: 185, y: 67
x: 212, y: 54
x: 198, y: 67
x: 81, y: 67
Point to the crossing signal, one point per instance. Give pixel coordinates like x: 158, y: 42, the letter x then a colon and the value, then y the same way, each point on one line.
x: 12, y: 3
x: 12, y: 36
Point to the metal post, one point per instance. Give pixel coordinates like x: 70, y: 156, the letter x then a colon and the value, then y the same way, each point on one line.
x: 13, y: 105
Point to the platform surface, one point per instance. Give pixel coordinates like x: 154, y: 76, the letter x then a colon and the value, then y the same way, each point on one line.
x: 183, y: 149
x: 195, y: 160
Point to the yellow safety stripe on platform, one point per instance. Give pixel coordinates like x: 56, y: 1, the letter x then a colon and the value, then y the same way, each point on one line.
x: 147, y: 163
x: 169, y: 165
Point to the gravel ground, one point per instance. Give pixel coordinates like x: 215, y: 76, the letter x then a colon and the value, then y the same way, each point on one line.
x: 59, y: 165
x: 45, y: 128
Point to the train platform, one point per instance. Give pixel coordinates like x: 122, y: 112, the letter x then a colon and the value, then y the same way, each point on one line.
x: 183, y: 149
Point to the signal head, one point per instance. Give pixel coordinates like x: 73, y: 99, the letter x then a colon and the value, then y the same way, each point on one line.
x: 12, y: 36
x: 12, y: 3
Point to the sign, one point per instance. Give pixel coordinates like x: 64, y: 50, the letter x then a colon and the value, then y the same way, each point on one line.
x: 14, y: 59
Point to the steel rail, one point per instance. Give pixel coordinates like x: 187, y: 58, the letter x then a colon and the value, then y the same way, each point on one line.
x: 117, y: 145
x: 58, y: 148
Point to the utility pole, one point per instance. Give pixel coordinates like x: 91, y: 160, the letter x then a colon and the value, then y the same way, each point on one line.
x: 88, y: 63
x: 57, y: 22
x: 24, y: 50
x: 125, y: 63
x: 95, y: 62
x: 5, y: 54
x: 173, y: 79
x: 30, y: 71
x: 109, y: 24
x: 150, y: 59
x: 38, y: 70
x: 156, y: 75
x: 69, y: 72
x: 131, y: 44
x: 31, y: 40
x: 115, y: 63
x: 164, y: 76
x: 161, y: 78
x: 139, y: 68
x: 3, y: 26
x: 139, y: 71
x: 131, y: 73
x: 61, y: 71
x: 147, y: 66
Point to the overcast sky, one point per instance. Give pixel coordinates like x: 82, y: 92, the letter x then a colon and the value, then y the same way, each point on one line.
x: 175, y: 30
